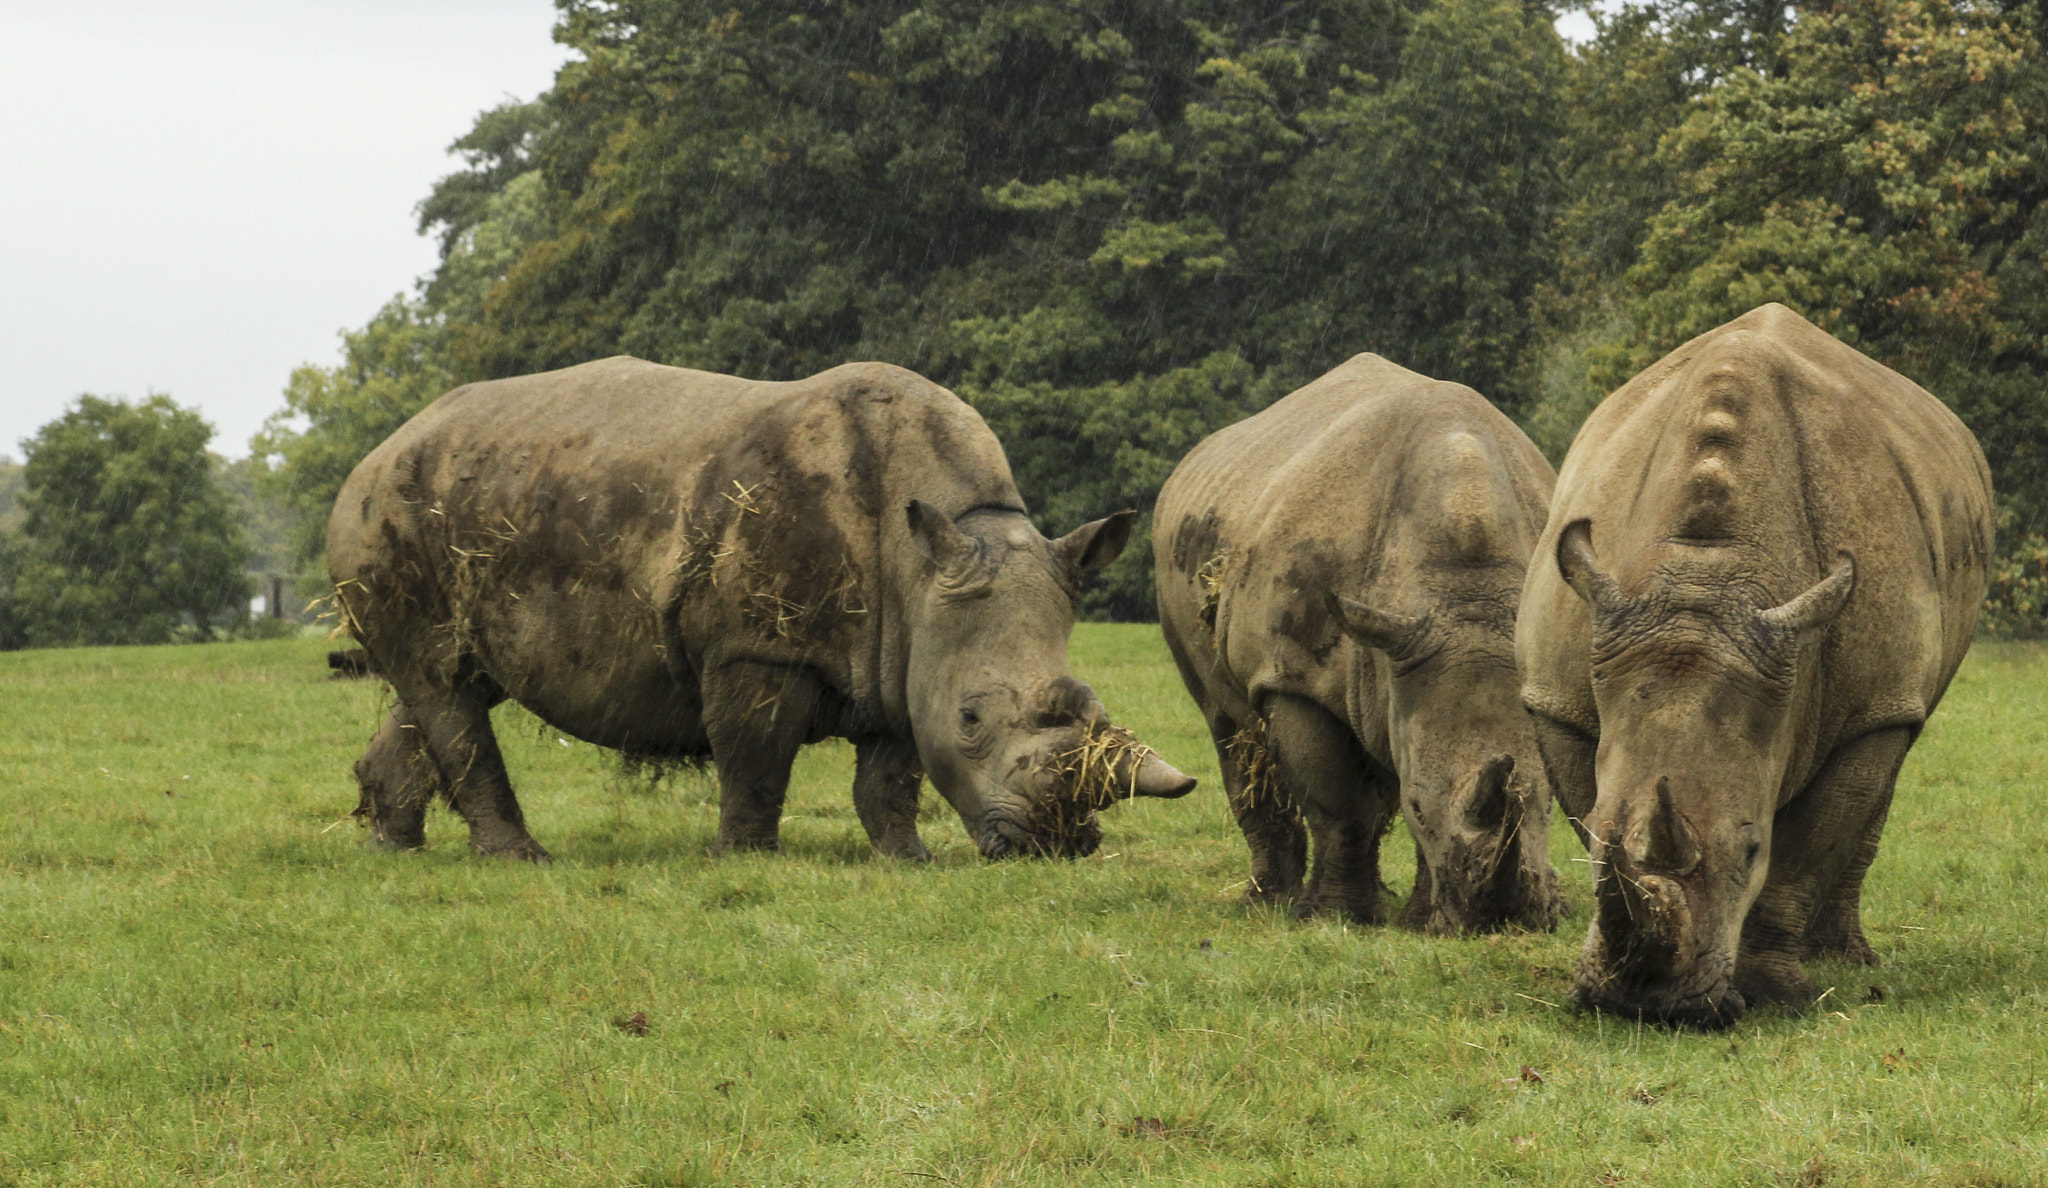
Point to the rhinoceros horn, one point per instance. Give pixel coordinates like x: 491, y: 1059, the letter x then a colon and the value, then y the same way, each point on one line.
x: 1157, y: 777
x: 1487, y: 805
x: 1643, y: 914
x: 1663, y: 843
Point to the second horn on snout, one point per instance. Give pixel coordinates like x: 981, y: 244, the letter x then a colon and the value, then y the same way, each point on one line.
x: 1488, y: 804
x: 1662, y: 842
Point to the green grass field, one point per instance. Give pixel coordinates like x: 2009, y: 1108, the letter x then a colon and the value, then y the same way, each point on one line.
x: 206, y: 979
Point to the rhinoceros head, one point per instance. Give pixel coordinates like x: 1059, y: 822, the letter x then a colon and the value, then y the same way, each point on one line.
x: 1692, y: 679
x: 1023, y: 751
x: 1472, y: 784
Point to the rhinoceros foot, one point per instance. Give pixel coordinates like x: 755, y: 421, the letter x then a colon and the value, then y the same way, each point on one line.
x: 524, y: 850
x: 1775, y: 978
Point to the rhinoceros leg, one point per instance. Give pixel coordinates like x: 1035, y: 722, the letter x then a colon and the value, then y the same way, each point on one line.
x: 1266, y: 813
x: 1821, y: 846
x: 886, y: 780
x: 1837, y: 927
x: 458, y: 734
x: 758, y: 716
x: 1346, y: 807
x: 396, y: 778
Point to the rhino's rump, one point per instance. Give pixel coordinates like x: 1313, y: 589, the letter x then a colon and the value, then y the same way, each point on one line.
x: 596, y: 540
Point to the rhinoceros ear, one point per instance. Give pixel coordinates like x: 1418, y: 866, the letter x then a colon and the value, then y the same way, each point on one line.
x: 1581, y: 570
x: 945, y: 546
x: 1092, y: 546
x: 1820, y: 604
x: 1373, y: 627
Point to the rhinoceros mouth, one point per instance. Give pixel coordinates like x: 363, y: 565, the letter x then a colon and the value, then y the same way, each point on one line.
x: 1056, y: 834
x: 1709, y: 1003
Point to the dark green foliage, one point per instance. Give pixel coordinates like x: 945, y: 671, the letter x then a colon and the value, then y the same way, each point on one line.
x: 127, y: 537
x: 1877, y: 165
x: 1114, y: 230
x: 1116, y: 227
x: 333, y: 417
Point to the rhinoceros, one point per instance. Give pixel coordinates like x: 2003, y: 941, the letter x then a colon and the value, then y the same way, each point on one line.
x: 1337, y: 582
x: 1761, y: 568
x: 690, y: 566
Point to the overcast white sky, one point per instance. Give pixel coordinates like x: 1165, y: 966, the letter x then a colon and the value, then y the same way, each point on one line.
x: 195, y: 197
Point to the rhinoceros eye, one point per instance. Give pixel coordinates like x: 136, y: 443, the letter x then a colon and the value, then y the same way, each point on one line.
x: 969, y: 718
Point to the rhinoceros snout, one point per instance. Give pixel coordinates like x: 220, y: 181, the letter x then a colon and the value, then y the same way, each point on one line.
x: 1054, y: 835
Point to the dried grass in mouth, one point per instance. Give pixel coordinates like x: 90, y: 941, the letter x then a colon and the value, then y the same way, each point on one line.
x: 1104, y: 768
x: 1249, y: 751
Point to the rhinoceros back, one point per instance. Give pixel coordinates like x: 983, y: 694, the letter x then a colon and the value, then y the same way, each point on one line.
x: 1374, y: 481
x: 591, y: 538
x: 1768, y: 446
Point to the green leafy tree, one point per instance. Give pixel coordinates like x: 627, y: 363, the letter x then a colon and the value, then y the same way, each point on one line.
x: 1880, y: 166
x: 127, y: 536
x: 334, y: 416
x: 1114, y: 228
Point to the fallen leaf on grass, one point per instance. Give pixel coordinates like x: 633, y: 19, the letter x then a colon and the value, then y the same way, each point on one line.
x: 633, y: 1024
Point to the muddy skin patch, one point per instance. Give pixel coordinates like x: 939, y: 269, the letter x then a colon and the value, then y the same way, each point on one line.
x: 1307, y: 621
x: 1195, y: 540
x: 1209, y: 581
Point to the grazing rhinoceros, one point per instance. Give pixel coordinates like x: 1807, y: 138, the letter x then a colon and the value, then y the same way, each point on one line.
x: 1337, y: 581
x: 681, y: 565
x: 1762, y: 567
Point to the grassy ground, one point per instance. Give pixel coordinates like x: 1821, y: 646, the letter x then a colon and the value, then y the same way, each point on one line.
x: 204, y: 978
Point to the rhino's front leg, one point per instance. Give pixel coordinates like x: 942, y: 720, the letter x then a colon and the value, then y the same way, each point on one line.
x: 458, y: 734
x: 1347, y: 812
x: 1822, y: 844
x: 758, y: 716
x: 396, y: 778
x: 1265, y: 812
x: 886, y: 781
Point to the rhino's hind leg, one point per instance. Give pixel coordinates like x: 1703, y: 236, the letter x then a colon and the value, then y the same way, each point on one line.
x: 758, y: 717
x: 465, y: 751
x: 886, y: 781
x: 1264, y: 810
x: 1822, y: 845
x: 1346, y: 810
x: 396, y: 778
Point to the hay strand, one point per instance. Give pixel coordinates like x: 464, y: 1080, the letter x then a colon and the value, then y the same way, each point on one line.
x: 1249, y: 751
x: 1104, y: 768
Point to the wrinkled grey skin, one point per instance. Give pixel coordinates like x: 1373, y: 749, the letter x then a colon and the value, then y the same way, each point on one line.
x: 1762, y: 567
x: 1344, y: 568
x: 685, y: 566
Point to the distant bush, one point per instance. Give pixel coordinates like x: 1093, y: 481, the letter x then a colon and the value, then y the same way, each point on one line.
x: 2017, y: 606
x: 127, y: 535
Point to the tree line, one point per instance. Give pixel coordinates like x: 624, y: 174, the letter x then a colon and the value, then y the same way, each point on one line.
x: 1114, y: 226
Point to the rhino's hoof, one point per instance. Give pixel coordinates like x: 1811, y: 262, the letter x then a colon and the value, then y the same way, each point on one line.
x: 906, y: 851
x: 528, y: 850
